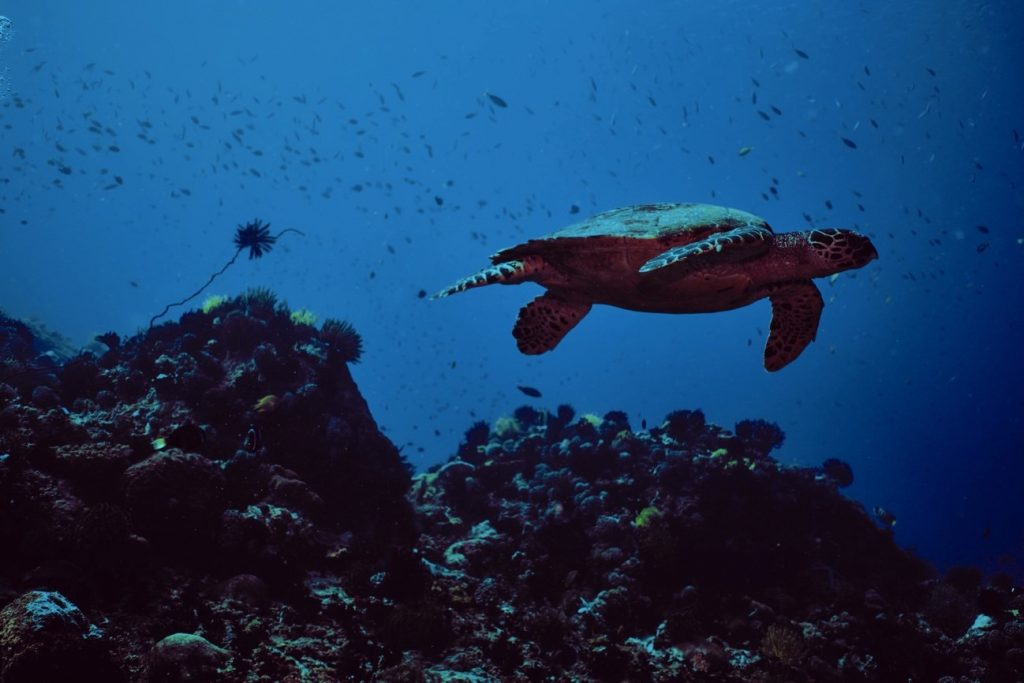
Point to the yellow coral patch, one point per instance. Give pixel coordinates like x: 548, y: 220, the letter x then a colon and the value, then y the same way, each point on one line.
x: 646, y: 516
x: 266, y: 404
x: 303, y: 316
x: 213, y: 302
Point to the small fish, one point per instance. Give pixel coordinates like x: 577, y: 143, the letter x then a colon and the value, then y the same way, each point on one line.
x: 497, y: 100
x: 884, y: 516
x: 982, y: 247
x: 529, y: 391
x: 744, y: 151
x: 266, y: 404
x: 801, y: 54
x: 849, y: 143
x: 252, y: 440
x: 574, y: 209
x: 983, y: 229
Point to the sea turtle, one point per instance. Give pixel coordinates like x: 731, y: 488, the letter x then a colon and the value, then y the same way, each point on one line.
x: 674, y: 258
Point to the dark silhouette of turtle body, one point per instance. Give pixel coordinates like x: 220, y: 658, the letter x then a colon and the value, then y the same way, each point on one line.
x: 674, y: 258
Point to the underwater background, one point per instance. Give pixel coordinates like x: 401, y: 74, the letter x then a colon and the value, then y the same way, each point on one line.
x: 409, y: 141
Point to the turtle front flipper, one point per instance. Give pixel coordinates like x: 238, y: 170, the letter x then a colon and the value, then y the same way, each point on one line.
x: 796, y: 309
x: 506, y: 273
x: 544, y: 321
x: 730, y: 245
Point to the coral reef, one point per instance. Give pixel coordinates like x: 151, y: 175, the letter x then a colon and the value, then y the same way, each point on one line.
x: 212, y: 500
x: 342, y: 340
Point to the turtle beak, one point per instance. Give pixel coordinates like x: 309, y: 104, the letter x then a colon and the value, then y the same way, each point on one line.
x: 862, y: 251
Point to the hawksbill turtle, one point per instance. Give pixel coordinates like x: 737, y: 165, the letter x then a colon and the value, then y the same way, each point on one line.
x: 674, y: 258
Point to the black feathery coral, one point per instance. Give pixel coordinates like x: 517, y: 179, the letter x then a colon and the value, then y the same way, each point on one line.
x: 255, y: 236
x: 342, y: 340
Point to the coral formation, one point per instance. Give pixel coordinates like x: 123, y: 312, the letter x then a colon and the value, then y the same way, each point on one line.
x: 303, y: 316
x: 342, y: 340
x: 212, y: 500
x: 213, y: 302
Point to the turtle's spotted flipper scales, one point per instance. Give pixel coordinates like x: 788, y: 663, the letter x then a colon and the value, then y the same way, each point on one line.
x: 796, y: 309
x: 544, y: 321
x: 731, y: 244
x: 506, y: 273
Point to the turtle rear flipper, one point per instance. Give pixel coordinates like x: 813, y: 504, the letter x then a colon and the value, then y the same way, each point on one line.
x: 505, y: 273
x: 545, y: 321
x: 796, y: 310
x: 730, y: 245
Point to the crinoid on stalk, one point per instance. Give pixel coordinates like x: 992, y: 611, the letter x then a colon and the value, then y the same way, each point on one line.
x: 254, y: 236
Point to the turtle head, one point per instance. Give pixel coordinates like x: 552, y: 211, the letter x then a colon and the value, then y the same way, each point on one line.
x: 833, y: 250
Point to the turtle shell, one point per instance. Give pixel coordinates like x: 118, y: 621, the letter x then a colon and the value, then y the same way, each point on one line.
x: 669, y: 225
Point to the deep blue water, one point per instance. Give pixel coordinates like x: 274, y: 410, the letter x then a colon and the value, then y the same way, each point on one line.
x: 369, y: 127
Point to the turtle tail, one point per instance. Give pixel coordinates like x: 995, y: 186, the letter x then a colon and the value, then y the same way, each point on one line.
x: 505, y: 273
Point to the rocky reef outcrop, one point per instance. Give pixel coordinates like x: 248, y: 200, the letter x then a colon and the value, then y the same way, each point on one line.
x: 212, y: 500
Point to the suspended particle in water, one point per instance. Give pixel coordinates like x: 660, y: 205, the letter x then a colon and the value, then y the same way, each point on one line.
x: 6, y: 31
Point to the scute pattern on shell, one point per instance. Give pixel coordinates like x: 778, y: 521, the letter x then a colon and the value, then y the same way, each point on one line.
x: 674, y: 224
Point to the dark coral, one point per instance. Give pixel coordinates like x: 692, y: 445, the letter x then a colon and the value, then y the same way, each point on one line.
x: 838, y: 472
x: 684, y: 424
x: 217, y: 498
x: 46, y: 637
x: 681, y: 554
x: 761, y: 435
x: 342, y: 340
x: 112, y: 340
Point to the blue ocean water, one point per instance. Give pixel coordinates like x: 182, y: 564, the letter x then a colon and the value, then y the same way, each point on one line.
x: 135, y: 137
